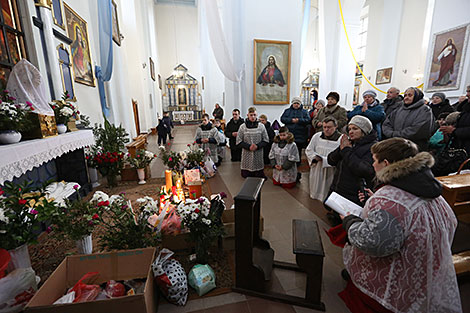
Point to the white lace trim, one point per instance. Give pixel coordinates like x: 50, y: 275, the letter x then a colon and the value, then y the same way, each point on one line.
x: 17, y: 159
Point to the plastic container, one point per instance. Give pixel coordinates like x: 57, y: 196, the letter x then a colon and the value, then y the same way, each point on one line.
x: 4, y: 260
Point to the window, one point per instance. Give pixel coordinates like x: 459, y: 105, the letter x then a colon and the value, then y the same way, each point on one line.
x: 362, y: 42
x: 12, y: 47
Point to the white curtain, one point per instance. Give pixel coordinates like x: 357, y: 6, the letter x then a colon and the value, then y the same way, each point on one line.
x: 218, y: 42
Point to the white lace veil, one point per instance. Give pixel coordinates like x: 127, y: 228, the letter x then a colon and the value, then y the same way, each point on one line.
x: 26, y: 84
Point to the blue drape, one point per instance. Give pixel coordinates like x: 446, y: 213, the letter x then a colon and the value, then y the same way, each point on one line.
x: 103, y: 72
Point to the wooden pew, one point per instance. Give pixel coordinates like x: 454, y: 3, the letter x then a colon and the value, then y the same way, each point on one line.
x: 139, y: 142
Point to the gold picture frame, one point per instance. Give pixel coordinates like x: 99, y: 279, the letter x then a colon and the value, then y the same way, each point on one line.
x: 116, y: 30
x: 271, y: 71
x: 383, y: 76
x: 77, y: 30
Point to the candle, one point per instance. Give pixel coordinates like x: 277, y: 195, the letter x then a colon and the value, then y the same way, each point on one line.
x: 168, y: 180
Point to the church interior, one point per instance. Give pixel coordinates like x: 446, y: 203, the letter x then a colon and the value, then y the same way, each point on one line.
x: 186, y: 153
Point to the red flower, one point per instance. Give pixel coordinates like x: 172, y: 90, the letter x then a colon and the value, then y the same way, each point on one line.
x: 22, y: 201
x: 197, y: 211
x: 1, y: 192
x: 170, y: 159
x: 95, y: 216
x: 48, y: 229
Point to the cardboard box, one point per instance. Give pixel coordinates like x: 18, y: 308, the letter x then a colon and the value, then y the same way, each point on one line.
x: 119, y: 265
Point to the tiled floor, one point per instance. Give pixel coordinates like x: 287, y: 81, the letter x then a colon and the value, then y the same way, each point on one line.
x: 278, y: 207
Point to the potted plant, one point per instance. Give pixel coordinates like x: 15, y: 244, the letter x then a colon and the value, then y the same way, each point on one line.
x: 63, y: 111
x: 106, y: 155
x: 194, y: 156
x: 125, y: 228
x: 141, y: 160
x: 203, y: 221
x: 76, y: 220
x: 13, y: 118
x: 173, y: 160
x: 21, y: 212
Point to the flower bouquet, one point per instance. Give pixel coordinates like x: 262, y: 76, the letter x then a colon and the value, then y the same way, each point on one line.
x: 141, y: 160
x: 64, y: 110
x: 13, y: 118
x: 21, y: 214
x: 109, y: 164
x: 203, y: 222
x: 173, y: 160
x: 194, y: 156
x: 125, y: 228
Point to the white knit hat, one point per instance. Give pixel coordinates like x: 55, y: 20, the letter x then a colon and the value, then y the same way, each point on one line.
x: 362, y: 122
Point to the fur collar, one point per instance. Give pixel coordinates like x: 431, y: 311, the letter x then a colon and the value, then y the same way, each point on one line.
x: 405, y: 167
x: 290, y: 138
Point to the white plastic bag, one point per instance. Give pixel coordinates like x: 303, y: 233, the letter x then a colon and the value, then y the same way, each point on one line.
x: 209, y: 168
x: 170, y: 277
x: 16, y: 289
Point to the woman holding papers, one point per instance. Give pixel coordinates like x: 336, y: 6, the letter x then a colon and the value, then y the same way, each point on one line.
x: 321, y: 144
x: 399, y: 251
x: 353, y: 160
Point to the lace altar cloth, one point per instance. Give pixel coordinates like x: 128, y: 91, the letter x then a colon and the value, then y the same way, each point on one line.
x: 17, y: 159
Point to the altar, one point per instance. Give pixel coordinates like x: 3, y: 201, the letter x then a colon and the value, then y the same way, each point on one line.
x: 182, y: 97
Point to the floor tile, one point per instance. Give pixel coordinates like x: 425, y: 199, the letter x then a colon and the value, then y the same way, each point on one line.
x: 259, y: 305
x: 239, y: 307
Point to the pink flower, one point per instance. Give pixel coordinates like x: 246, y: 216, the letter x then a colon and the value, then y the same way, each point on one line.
x: 90, y: 222
x: 11, y: 98
x: 138, y: 156
x: 48, y: 229
x: 29, y: 103
x: 223, y: 195
x: 76, y: 186
x: 33, y: 211
x: 170, y: 159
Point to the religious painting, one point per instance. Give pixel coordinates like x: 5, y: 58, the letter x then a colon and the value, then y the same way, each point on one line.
x: 357, y: 88
x: 116, y: 31
x: 271, y: 81
x: 445, y: 65
x: 384, y: 76
x: 182, y: 96
x: 152, y: 69
x: 359, y: 69
x: 80, y: 47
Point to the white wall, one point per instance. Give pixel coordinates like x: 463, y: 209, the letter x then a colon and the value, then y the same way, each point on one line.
x: 456, y: 12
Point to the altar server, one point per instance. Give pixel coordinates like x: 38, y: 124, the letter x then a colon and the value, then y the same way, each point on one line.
x: 252, y: 138
x: 283, y: 157
x: 321, y: 144
x: 207, y: 137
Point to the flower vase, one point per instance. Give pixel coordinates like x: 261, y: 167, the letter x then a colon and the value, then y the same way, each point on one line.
x: 112, y: 180
x: 85, y: 245
x: 61, y: 128
x: 141, y: 174
x: 93, y: 173
x: 19, y: 258
x: 9, y: 136
x: 202, y: 253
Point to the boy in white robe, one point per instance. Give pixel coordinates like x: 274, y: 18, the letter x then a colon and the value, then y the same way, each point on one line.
x: 321, y: 144
x: 284, y: 157
x: 207, y: 137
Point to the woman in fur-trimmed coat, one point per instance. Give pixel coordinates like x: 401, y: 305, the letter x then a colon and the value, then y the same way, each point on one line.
x: 283, y: 157
x: 398, y: 254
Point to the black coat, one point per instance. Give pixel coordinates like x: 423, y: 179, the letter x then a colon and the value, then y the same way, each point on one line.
x: 271, y: 135
x: 442, y: 107
x: 461, y: 134
x: 352, y: 165
x: 232, y: 127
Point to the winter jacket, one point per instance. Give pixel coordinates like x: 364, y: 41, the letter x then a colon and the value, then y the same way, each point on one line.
x: 375, y: 113
x: 399, y: 251
x: 442, y: 107
x: 168, y: 123
x: 218, y: 113
x: 461, y: 134
x: 162, y: 128
x: 414, y: 122
x: 299, y: 129
x: 391, y: 105
x: 459, y: 105
x: 232, y: 127
x: 352, y: 165
x: 336, y: 111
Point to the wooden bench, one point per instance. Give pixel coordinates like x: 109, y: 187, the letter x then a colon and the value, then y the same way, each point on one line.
x: 139, y: 142
x: 254, y: 257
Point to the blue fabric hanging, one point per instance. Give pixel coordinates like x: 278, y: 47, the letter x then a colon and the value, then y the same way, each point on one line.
x: 103, y: 72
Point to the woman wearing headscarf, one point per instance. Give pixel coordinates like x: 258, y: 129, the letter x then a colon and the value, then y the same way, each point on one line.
x: 440, y: 104
x: 413, y: 120
x: 398, y: 253
x: 372, y: 109
x: 353, y: 162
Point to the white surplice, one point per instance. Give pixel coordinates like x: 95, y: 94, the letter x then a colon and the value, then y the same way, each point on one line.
x: 321, y: 173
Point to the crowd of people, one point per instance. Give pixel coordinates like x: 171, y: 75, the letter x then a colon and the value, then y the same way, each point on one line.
x: 380, y: 156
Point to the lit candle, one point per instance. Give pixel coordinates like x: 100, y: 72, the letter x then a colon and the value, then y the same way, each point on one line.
x: 168, y: 180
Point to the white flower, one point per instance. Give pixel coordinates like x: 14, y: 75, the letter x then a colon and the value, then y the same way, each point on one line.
x: 99, y: 196
x: 193, y: 216
x: 205, y: 211
x: 114, y: 198
x: 149, y: 154
x: 3, y: 218
x: 66, y: 111
x: 206, y: 221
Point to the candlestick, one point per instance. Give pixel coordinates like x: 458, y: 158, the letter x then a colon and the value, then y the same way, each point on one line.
x: 168, y: 180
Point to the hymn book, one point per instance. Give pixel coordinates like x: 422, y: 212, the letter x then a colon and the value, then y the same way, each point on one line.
x: 342, y: 205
